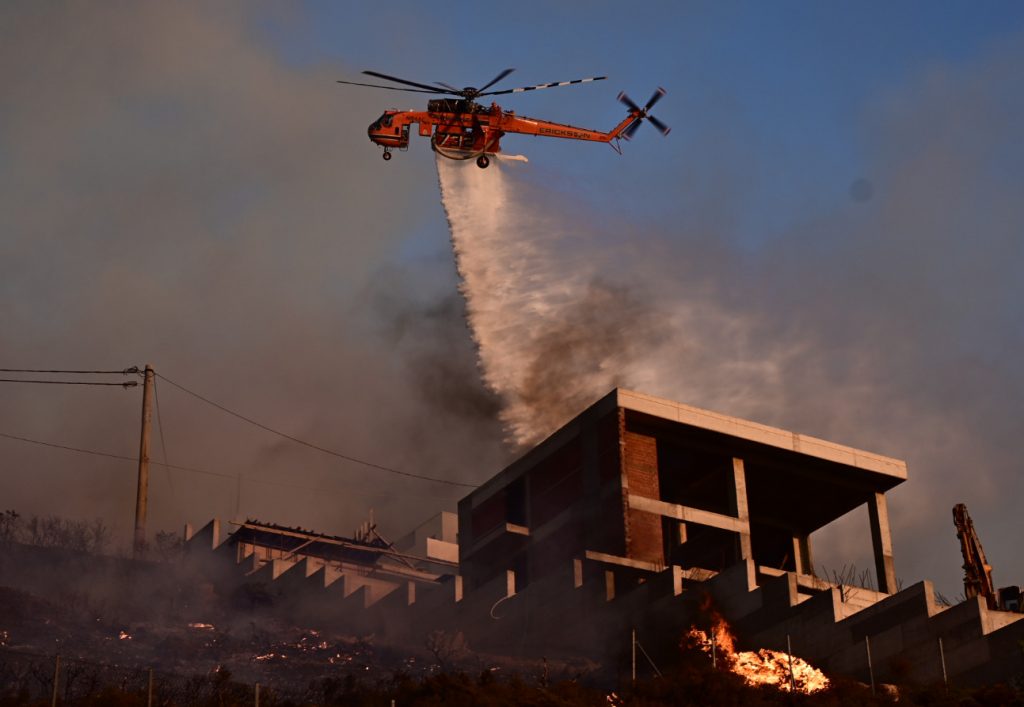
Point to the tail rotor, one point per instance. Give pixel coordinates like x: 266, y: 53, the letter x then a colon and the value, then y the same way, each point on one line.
x: 641, y: 114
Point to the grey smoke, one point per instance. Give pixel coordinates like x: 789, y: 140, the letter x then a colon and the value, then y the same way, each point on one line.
x: 170, y: 192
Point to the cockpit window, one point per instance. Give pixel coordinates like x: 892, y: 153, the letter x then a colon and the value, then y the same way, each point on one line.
x: 381, y: 121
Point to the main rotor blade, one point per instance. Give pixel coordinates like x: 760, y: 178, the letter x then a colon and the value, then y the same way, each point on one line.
x: 659, y: 125
x: 543, y: 85
x: 450, y: 88
x: 392, y: 88
x: 398, y: 80
x: 655, y: 98
x: 496, y: 79
x: 629, y: 103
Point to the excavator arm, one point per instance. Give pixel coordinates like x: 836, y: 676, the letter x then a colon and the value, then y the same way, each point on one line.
x: 977, y: 571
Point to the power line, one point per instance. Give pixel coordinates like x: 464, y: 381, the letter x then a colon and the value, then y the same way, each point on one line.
x: 193, y: 470
x: 122, y: 372
x: 163, y: 445
x: 126, y: 384
x: 159, y: 420
x: 317, y: 447
x: 109, y: 455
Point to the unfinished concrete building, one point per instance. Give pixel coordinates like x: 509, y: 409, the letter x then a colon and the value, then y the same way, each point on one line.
x: 646, y: 483
x: 629, y: 517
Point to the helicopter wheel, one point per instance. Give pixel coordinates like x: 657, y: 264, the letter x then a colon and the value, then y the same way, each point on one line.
x: 386, y: 155
x: 482, y: 161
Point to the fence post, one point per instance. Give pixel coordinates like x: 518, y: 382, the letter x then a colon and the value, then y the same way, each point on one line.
x: 257, y: 695
x: 871, y: 670
x: 942, y: 659
x: 632, y: 647
x: 789, y: 652
x: 56, y: 679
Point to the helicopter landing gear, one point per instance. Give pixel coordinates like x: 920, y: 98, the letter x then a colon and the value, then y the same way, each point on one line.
x: 386, y: 155
x: 482, y: 161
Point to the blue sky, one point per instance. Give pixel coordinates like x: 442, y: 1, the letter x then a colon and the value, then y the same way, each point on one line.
x: 793, y: 82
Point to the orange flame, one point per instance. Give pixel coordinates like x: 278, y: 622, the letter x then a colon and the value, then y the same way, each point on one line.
x: 762, y: 667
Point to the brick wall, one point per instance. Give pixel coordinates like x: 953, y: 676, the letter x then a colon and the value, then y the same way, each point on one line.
x: 640, y: 468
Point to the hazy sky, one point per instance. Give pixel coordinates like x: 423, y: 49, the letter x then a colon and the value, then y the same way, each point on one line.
x: 833, y: 229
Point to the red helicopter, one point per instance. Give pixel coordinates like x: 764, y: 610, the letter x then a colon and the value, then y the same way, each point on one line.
x: 461, y: 129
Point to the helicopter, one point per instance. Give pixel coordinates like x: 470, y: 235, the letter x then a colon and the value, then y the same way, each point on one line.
x: 459, y: 128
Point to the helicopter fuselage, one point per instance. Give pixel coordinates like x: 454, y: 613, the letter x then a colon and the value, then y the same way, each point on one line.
x: 460, y: 129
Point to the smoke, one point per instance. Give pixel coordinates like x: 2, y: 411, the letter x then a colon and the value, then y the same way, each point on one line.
x: 889, y: 321
x: 172, y: 193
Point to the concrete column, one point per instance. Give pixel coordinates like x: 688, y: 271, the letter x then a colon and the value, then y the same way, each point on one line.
x: 802, y: 559
x: 881, y: 541
x: 677, y: 580
x: 740, y: 506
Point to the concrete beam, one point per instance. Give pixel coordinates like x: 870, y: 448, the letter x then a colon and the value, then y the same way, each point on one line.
x: 442, y: 550
x: 500, y: 532
x: 687, y: 514
x: 627, y: 562
x: 881, y: 541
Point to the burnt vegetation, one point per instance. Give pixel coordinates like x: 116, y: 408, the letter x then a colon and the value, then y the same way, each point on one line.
x: 28, y: 680
x: 54, y: 532
x: 124, y: 630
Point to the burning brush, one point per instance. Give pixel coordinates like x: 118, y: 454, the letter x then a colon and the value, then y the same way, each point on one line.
x: 763, y: 667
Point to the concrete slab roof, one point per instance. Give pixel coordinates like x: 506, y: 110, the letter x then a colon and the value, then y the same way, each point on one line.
x: 825, y: 466
x: 757, y: 433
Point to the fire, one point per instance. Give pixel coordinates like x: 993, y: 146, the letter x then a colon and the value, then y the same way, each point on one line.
x: 762, y: 667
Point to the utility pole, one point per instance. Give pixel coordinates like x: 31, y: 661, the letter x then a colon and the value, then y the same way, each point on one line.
x: 141, y: 496
x: 56, y: 680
